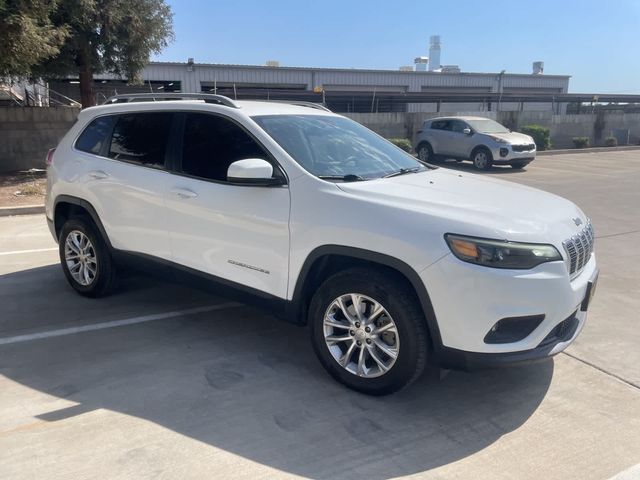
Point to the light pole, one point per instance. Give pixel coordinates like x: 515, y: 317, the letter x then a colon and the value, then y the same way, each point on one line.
x: 500, y: 76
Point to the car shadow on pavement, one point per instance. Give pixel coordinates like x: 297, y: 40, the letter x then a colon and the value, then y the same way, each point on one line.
x: 244, y: 382
x: 468, y: 167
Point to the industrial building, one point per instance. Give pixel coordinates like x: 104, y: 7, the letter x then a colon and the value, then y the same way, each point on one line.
x: 343, y: 90
x: 427, y: 86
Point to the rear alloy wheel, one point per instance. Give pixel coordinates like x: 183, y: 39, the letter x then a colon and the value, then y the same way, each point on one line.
x: 85, y: 258
x: 80, y: 257
x: 425, y: 153
x: 368, y: 330
x: 482, y: 159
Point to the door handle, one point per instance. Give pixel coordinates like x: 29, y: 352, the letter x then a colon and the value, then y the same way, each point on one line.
x: 184, y: 193
x: 98, y: 175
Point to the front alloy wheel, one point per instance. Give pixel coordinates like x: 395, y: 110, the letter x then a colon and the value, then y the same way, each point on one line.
x: 368, y: 330
x: 361, y: 335
x: 482, y: 159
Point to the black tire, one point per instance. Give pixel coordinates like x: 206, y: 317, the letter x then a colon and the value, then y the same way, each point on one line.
x: 104, y: 281
x: 425, y: 153
x: 396, y: 296
x: 476, y: 158
x: 518, y: 165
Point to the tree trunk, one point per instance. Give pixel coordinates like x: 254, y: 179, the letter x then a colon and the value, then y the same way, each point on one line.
x: 86, y: 85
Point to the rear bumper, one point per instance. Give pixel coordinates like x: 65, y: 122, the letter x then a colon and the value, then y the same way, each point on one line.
x: 52, y: 229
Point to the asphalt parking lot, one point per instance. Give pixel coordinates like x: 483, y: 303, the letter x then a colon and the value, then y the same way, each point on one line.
x: 162, y: 381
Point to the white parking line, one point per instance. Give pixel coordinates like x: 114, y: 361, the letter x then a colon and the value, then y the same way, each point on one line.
x: 33, y: 250
x: 115, y: 323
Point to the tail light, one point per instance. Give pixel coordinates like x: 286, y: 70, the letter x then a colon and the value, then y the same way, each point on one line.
x: 419, y: 131
x: 49, y: 158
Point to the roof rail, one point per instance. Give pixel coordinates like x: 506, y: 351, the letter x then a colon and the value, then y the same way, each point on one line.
x: 158, y: 97
x: 317, y: 106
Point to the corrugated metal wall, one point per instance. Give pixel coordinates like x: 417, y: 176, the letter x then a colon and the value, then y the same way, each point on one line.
x: 411, y: 81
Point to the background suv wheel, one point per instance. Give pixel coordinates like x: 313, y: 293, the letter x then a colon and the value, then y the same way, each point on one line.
x: 425, y: 153
x: 482, y: 158
x: 368, y: 330
x: 85, y: 258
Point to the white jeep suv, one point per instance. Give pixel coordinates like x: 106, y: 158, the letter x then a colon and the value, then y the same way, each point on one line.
x: 390, y: 262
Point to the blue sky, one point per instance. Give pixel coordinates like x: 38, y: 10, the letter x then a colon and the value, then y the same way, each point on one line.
x: 597, y: 42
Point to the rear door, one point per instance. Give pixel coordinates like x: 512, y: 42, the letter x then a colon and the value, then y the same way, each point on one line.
x: 235, y: 232
x: 441, y: 134
x: 125, y: 178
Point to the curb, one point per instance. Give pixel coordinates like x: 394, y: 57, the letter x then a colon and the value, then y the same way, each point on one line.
x: 587, y: 150
x: 26, y: 210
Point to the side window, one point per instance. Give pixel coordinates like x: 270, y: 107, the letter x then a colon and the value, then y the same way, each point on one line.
x: 211, y: 143
x: 95, y: 135
x: 441, y: 125
x: 458, y: 126
x: 141, y: 138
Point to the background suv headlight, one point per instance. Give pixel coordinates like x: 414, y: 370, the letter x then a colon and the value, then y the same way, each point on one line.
x: 501, y: 254
x: 498, y: 139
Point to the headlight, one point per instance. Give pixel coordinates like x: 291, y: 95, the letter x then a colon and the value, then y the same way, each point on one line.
x: 498, y: 139
x: 501, y: 254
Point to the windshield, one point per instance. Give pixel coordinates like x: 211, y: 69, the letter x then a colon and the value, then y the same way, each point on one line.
x: 487, y: 126
x: 336, y: 147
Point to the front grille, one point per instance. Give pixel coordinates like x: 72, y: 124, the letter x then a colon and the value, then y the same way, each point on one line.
x: 579, y: 249
x: 523, y: 148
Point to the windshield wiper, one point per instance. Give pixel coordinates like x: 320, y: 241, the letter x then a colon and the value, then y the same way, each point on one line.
x: 345, y: 178
x: 402, y: 171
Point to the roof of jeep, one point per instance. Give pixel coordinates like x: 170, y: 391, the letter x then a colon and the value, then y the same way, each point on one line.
x: 248, y: 107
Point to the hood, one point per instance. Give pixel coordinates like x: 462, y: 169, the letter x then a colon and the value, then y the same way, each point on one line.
x: 513, y: 138
x: 478, y: 205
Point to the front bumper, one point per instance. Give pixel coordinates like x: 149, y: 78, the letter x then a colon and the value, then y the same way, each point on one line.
x: 554, y: 343
x: 504, y: 154
x: 468, y: 300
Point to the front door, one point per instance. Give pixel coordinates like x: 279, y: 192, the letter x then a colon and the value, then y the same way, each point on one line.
x: 460, y: 141
x: 238, y: 233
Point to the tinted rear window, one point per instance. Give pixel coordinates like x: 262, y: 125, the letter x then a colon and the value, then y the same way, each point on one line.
x: 141, y: 138
x: 95, y: 135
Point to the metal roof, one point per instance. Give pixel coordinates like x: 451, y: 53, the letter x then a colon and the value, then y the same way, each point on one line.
x: 350, y: 70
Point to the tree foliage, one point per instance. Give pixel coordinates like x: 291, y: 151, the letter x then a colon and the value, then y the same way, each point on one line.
x: 27, y: 35
x: 93, y: 36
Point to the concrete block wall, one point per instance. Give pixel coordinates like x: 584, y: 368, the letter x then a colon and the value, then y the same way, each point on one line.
x: 404, y: 125
x: 27, y: 133
x: 562, y: 127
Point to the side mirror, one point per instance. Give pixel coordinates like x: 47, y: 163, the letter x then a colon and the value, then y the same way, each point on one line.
x: 252, y: 171
x: 467, y: 131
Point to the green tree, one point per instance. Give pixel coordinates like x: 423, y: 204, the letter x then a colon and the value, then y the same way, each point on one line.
x: 27, y: 35
x: 116, y: 36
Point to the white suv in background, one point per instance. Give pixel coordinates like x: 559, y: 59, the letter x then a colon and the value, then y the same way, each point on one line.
x: 481, y: 140
x: 390, y: 261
